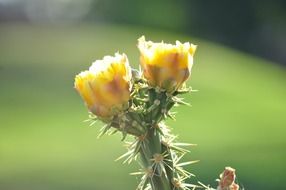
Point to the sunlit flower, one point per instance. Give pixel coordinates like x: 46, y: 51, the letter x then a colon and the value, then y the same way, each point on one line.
x: 165, y: 65
x: 105, y: 87
x: 227, y: 179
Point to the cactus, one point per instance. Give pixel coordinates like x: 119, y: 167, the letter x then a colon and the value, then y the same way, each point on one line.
x: 159, y: 154
x: 137, y: 103
x: 154, y: 146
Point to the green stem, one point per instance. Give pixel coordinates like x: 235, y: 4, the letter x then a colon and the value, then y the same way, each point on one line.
x: 156, y: 156
x: 152, y: 146
x: 170, y: 162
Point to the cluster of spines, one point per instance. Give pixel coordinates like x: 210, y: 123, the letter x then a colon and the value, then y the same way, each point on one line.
x: 148, y: 107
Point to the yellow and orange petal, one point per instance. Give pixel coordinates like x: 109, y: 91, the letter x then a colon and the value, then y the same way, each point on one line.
x: 106, y: 86
x: 165, y: 65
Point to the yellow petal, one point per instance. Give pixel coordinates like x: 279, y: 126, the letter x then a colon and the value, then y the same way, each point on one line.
x: 105, y: 87
x: 164, y: 63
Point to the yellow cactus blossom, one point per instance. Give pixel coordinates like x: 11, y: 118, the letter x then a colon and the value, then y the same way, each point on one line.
x: 106, y: 86
x: 165, y: 65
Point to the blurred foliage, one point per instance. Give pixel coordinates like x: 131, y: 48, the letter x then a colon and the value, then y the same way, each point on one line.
x: 237, y: 117
x: 161, y: 13
x: 256, y: 27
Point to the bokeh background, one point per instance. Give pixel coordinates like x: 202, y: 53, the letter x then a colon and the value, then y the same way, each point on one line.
x: 237, y: 118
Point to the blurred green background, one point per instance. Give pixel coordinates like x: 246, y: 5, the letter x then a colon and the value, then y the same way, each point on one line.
x: 237, y: 117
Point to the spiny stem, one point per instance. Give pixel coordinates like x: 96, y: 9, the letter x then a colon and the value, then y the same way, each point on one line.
x: 158, y: 178
x: 160, y: 156
x: 159, y: 160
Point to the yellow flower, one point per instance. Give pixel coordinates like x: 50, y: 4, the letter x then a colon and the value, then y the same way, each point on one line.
x: 165, y: 65
x: 106, y: 86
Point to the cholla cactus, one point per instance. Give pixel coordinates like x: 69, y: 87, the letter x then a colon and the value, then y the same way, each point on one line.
x: 137, y: 104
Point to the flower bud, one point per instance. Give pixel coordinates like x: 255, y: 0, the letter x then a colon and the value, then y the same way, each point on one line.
x: 227, y: 179
x: 106, y: 86
x: 165, y: 65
